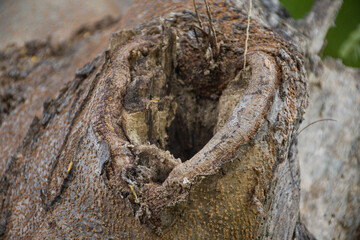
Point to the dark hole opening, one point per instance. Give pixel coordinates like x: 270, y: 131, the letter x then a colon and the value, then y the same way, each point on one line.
x: 185, y: 142
x: 183, y: 101
x: 193, y: 125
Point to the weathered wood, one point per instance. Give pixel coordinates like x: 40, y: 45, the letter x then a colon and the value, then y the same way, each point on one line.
x: 165, y: 135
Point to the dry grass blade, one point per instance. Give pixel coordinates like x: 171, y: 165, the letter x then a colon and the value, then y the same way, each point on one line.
x: 212, y: 28
x: 247, y: 32
x: 321, y: 120
x: 197, y: 15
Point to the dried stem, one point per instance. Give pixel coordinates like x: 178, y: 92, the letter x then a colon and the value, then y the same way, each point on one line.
x: 199, y: 43
x: 321, y: 120
x: 247, y: 32
x: 197, y: 15
x: 212, y: 28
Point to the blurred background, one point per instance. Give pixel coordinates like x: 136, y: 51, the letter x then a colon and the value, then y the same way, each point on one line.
x: 24, y: 20
x: 343, y: 40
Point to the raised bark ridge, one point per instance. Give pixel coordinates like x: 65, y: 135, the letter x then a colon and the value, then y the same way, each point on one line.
x: 115, y: 137
x: 169, y: 54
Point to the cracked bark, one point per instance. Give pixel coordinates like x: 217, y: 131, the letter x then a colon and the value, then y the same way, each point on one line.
x: 160, y: 138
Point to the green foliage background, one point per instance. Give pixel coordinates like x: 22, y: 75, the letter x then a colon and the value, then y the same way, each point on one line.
x: 343, y: 40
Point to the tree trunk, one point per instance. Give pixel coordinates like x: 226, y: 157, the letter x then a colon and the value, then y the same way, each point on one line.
x: 184, y: 128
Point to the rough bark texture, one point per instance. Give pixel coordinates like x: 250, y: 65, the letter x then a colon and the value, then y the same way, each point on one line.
x: 22, y: 21
x: 164, y: 135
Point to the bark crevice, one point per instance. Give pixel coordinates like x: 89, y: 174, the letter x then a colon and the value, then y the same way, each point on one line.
x: 171, y: 133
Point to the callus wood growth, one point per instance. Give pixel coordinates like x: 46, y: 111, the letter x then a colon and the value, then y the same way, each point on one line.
x: 124, y: 169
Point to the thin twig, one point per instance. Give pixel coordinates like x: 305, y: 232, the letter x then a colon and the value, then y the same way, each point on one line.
x: 321, y: 120
x: 197, y: 15
x: 199, y: 43
x: 212, y: 27
x: 208, y: 40
x: 247, y: 32
x: 196, y: 36
x: 202, y: 30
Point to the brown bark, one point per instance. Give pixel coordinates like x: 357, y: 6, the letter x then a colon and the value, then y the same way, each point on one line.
x: 164, y: 135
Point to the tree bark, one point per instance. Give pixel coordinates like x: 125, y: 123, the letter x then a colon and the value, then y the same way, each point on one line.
x: 168, y: 134
x: 329, y: 153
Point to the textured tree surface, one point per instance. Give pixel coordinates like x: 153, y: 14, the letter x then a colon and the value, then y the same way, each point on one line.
x: 330, y: 154
x: 165, y: 135
x: 39, y: 19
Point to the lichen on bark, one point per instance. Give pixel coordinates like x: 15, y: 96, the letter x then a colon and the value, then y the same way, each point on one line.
x: 168, y: 136
x: 162, y: 75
